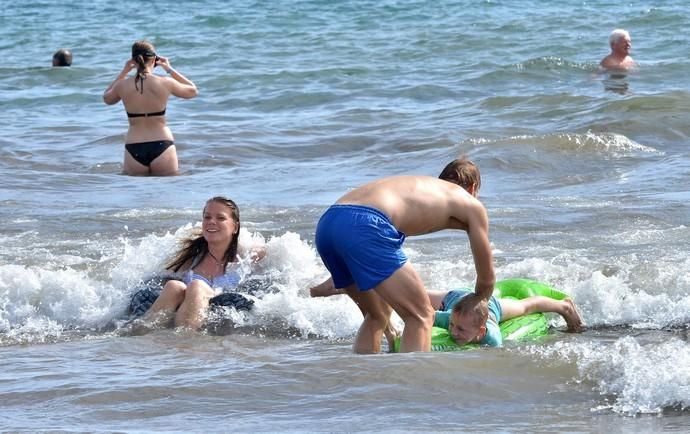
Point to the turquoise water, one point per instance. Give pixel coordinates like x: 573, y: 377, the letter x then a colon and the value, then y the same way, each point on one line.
x: 584, y: 177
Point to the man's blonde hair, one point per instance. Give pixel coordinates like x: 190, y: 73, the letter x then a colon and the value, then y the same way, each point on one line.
x: 462, y: 172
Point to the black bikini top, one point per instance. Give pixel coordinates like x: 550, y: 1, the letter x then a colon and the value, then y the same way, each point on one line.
x: 145, y: 115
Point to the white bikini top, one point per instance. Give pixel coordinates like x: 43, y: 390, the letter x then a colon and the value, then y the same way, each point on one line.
x: 228, y: 281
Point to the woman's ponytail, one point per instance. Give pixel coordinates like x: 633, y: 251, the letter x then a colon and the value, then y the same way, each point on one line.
x: 141, y: 52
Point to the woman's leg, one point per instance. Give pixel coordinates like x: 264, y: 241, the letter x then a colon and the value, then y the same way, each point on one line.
x: 166, y: 163
x: 193, y: 310
x: 132, y: 167
x: 167, y: 302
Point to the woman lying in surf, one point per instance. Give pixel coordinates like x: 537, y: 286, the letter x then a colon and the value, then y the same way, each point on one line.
x: 209, y: 265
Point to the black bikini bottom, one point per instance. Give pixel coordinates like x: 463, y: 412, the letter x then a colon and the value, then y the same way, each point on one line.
x: 146, y: 152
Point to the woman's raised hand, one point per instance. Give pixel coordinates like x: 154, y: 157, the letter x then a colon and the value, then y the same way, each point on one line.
x: 163, y: 62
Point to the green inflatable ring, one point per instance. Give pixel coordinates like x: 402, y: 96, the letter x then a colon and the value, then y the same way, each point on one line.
x: 522, y: 328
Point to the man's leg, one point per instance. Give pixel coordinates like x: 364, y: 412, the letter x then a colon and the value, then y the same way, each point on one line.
x: 376, y: 316
x: 404, y: 291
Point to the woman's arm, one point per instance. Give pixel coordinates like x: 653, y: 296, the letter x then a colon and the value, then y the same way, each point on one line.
x: 111, y: 95
x: 180, y: 86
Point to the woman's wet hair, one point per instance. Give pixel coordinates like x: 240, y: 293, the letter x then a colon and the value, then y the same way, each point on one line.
x: 462, y: 172
x: 196, y: 246
x: 142, y: 52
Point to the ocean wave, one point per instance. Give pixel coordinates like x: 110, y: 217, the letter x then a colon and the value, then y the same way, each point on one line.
x: 610, y: 144
x: 87, y: 296
x: 65, y: 288
x: 554, y: 63
x: 639, y: 377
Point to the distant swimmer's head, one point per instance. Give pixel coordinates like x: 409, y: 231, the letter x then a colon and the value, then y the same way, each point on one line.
x: 464, y: 173
x: 62, y: 57
x: 468, y: 320
x: 144, y: 55
x: 620, y: 41
x: 619, y: 58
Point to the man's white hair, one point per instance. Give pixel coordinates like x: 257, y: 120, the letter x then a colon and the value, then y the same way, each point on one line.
x: 617, y: 35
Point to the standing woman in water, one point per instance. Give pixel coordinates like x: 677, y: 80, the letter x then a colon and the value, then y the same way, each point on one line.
x: 149, y: 144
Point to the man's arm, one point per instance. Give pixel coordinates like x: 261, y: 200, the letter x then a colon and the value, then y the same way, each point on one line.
x: 478, y: 233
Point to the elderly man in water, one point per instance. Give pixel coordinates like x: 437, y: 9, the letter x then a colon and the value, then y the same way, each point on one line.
x: 619, y: 59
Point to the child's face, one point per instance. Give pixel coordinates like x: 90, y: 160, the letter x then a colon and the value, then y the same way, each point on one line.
x: 462, y: 329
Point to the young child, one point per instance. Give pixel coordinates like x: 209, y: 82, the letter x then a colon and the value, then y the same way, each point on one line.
x: 470, y: 319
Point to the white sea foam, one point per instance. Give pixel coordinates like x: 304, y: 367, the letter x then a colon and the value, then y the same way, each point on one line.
x: 293, y: 266
x: 31, y: 296
x: 82, y: 298
x: 641, y: 378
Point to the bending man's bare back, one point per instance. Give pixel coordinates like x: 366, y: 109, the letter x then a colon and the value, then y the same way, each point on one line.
x: 360, y: 241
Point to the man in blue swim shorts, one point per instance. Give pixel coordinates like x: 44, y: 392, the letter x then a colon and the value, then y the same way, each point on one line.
x: 360, y: 241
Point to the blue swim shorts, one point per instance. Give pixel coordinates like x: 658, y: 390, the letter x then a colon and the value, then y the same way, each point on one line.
x: 359, y: 244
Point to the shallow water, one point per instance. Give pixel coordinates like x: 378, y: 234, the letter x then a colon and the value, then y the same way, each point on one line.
x: 584, y: 177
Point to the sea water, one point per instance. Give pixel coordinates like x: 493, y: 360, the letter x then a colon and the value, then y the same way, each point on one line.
x: 585, y: 179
